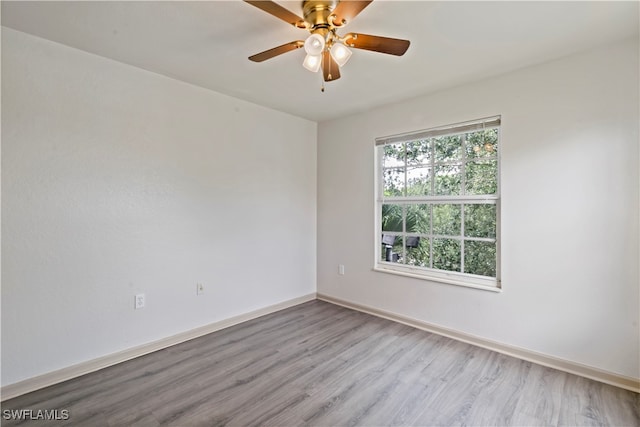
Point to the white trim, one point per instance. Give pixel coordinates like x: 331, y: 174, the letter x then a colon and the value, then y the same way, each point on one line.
x: 453, y: 129
x: 469, y: 199
x: 441, y: 276
x: 430, y: 273
x: 32, y: 384
x: 607, y: 377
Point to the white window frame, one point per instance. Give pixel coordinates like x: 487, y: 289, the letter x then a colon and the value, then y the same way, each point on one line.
x: 449, y: 277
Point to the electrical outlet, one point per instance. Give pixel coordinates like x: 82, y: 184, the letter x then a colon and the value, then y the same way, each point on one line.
x: 139, y: 301
x: 199, y: 289
x: 341, y: 269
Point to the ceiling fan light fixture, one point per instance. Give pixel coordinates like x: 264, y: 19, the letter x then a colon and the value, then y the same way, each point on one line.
x: 340, y: 53
x: 314, y: 44
x: 312, y: 62
x: 324, y: 48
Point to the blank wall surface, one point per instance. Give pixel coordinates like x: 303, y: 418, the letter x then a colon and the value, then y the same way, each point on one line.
x: 569, y: 211
x: 117, y: 181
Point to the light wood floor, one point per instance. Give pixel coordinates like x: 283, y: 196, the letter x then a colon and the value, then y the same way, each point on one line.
x: 320, y: 364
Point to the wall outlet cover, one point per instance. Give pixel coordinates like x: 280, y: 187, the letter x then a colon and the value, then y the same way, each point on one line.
x: 139, y: 301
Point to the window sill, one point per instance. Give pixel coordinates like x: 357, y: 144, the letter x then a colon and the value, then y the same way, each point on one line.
x: 492, y: 285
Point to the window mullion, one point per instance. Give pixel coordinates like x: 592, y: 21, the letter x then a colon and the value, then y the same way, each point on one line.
x: 405, y: 169
x: 430, y: 236
x: 404, y: 234
x: 404, y: 208
x: 462, y: 238
x: 432, y: 171
x: 471, y: 199
x: 463, y: 190
x: 463, y: 168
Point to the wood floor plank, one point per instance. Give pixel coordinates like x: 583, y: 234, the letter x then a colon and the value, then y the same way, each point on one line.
x: 541, y: 397
x: 319, y: 364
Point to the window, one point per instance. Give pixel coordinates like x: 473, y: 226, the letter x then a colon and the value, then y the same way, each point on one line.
x: 438, y: 204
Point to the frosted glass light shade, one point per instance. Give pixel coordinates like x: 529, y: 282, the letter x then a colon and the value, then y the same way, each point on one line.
x: 312, y: 63
x: 314, y: 44
x: 340, y: 53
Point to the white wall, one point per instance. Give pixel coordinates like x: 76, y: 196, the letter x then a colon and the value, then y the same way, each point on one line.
x: 117, y: 181
x: 569, y: 210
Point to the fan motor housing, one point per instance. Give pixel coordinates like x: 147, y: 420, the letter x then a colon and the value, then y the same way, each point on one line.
x: 317, y: 12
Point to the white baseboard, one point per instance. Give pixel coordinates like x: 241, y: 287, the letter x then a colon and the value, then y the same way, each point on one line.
x: 13, y: 390
x: 586, y: 371
x: 26, y: 386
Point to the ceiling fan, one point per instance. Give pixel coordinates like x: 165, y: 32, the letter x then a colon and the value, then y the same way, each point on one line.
x: 324, y: 47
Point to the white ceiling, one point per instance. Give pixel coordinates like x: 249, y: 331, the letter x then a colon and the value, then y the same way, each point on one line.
x: 207, y: 43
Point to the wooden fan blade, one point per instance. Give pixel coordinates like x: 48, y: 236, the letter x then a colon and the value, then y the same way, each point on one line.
x: 377, y: 44
x: 346, y: 10
x: 330, y: 69
x: 279, y: 12
x: 268, y: 54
